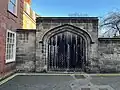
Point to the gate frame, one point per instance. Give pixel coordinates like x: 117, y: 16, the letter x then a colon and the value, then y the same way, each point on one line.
x: 69, y: 28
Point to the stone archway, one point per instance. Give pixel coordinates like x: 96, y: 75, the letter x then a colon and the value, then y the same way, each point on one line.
x: 75, y: 38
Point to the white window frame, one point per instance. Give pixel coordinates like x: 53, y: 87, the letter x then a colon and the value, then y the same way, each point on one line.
x: 15, y: 8
x: 14, y: 48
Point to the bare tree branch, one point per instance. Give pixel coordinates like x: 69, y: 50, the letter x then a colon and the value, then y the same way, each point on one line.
x: 111, y: 24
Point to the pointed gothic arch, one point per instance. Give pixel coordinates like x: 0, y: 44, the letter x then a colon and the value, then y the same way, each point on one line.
x: 75, y: 32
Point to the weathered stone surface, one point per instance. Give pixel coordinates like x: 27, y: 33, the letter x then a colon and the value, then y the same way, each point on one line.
x: 102, y: 55
x: 108, y: 53
x: 25, y: 54
x: 48, y: 25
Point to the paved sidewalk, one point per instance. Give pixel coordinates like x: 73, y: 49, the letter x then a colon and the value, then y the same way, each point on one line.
x: 62, y: 82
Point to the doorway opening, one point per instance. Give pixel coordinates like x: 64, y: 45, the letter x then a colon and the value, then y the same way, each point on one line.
x: 66, y: 51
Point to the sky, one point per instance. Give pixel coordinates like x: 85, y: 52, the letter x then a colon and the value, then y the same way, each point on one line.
x: 61, y: 8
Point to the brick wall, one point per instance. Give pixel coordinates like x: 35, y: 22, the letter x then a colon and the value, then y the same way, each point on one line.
x: 2, y: 43
x: 11, y: 22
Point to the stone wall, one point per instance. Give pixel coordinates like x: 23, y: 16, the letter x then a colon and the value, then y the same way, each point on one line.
x: 45, y: 25
x: 103, y: 54
x: 25, y: 55
x: 109, y: 55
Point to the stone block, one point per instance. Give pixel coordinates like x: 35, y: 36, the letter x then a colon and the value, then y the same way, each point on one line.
x: 108, y: 69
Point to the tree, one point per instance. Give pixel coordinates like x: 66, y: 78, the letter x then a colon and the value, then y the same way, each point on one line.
x: 111, y: 24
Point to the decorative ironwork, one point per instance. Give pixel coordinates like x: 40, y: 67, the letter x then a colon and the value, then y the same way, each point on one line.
x: 66, y: 51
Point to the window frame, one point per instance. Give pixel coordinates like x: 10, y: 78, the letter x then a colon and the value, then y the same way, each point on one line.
x: 15, y: 5
x: 24, y: 37
x: 14, y: 47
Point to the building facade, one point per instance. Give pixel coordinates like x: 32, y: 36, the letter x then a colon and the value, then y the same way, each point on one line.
x: 11, y: 17
x: 57, y: 44
x: 29, y: 16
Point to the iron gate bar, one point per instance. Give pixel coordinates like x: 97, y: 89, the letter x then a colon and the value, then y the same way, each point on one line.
x: 66, y: 51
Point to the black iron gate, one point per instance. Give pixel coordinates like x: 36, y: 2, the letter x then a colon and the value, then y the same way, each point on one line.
x: 66, y: 51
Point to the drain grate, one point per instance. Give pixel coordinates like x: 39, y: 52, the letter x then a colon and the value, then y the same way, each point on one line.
x: 85, y: 88
x: 79, y: 76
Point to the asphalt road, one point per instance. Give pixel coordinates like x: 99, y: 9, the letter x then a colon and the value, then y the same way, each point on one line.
x: 62, y: 82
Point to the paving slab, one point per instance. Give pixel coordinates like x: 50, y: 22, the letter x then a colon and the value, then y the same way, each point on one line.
x: 61, y: 82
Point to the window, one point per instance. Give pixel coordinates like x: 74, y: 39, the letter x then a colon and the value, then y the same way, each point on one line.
x: 12, y: 6
x: 24, y: 36
x: 10, y: 46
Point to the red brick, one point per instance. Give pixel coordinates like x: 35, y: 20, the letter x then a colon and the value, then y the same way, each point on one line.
x: 8, y: 20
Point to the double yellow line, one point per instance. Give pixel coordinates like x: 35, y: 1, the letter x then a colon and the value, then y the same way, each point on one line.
x: 7, y: 79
